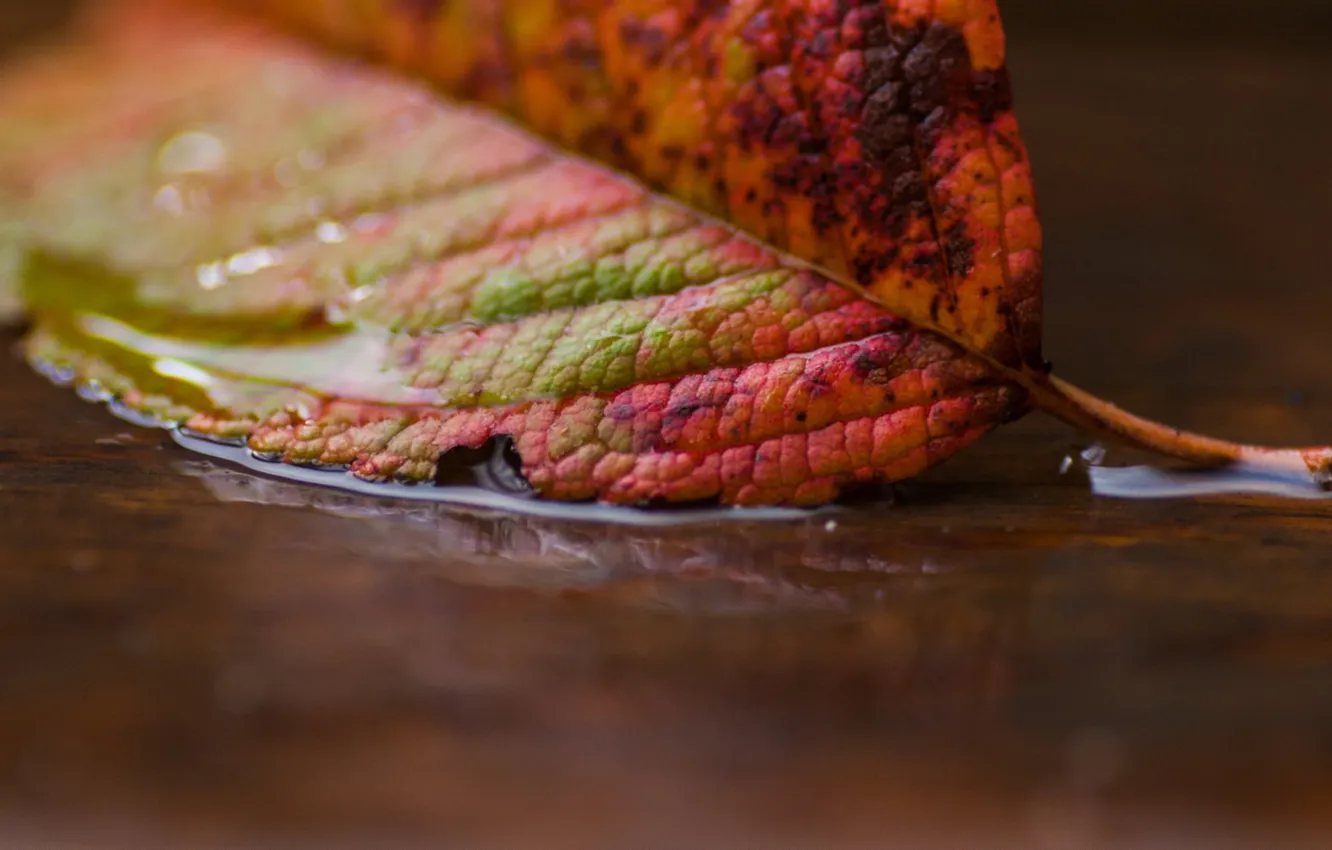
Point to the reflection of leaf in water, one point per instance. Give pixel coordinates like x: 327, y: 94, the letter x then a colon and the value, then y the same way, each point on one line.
x: 757, y: 589
x: 653, y: 614
x: 708, y: 563
x: 471, y: 483
x: 349, y: 270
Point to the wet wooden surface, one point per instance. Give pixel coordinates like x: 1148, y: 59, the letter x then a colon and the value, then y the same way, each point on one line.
x: 194, y: 656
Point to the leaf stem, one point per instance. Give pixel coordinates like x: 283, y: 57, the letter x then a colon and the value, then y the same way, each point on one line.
x: 1081, y: 409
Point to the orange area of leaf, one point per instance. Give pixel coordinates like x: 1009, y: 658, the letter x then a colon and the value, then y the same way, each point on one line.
x: 872, y: 138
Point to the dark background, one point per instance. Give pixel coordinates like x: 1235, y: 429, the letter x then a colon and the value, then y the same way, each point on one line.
x: 1000, y: 659
x: 1277, y: 22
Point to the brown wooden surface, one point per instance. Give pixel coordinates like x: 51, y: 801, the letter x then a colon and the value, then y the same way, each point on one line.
x: 194, y: 656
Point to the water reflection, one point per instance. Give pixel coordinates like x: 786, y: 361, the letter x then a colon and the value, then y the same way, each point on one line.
x: 509, y: 497
x: 805, y: 608
x: 702, y: 562
x: 1240, y: 479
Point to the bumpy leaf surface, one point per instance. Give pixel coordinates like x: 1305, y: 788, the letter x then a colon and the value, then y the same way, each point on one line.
x: 212, y: 223
x: 873, y: 138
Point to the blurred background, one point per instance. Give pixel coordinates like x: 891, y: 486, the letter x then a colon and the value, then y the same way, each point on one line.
x: 1281, y: 22
x: 1005, y: 661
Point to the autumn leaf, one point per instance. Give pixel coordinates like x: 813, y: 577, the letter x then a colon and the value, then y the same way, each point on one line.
x: 824, y: 270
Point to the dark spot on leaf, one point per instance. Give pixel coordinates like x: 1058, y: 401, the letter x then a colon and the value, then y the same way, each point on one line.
x: 960, y: 249
x: 494, y: 465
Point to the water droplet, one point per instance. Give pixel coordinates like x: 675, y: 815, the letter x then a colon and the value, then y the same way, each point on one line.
x: 830, y: 526
x: 192, y: 152
x: 210, y: 275
x: 252, y: 261
x: 331, y: 233
x: 168, y: 199
x: 144, y: 419
x: 1094, y: 455
x: 93, y: 391
x: 61, y: 376
x: 336, y: 314
x: 360, y: 293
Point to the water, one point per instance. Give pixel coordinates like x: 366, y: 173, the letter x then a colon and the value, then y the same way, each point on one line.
x: 495, y: 485
x: 714, y: 568
x: 349, y: 363
x: 1149, y: 482
x: 494, y: 496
